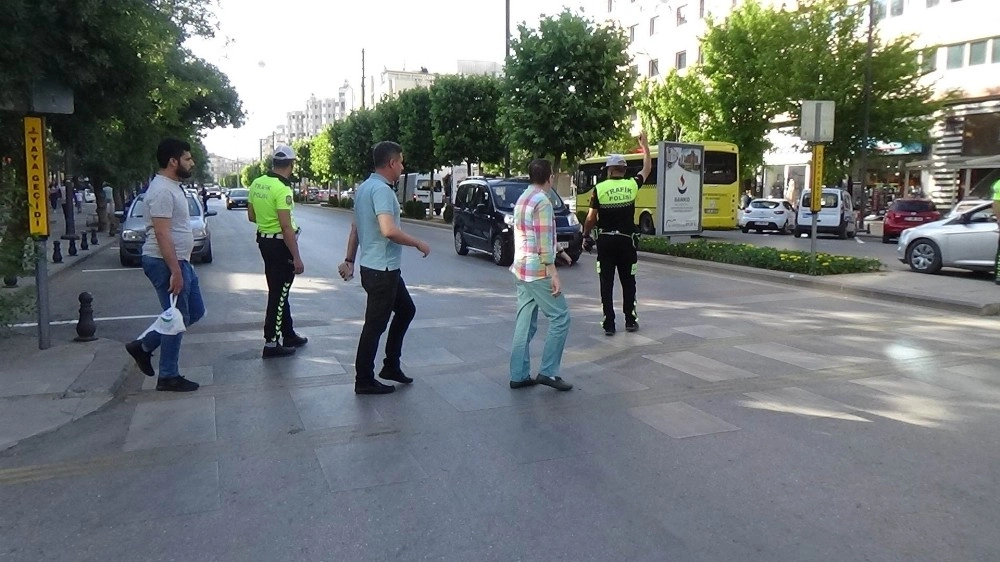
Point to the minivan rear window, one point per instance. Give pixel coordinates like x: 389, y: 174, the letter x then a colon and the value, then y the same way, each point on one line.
x: 830, y: 200
x: 912, y: 206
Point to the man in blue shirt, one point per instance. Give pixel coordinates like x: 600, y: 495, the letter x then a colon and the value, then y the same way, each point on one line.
x: 376, y: 233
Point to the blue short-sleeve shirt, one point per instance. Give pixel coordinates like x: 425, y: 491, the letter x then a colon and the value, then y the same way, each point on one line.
x: 376, y: 197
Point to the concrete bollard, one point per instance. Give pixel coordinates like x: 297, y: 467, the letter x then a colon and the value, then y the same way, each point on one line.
x: 93, y: 238
x: 85, y: 326
x: 83, y: 242
x: 72, y: 246
x: 56, y: 252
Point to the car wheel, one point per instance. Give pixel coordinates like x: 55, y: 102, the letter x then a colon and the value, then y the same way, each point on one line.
x: 460, y: 247
x: 502, y: 254
x: 646, y: 224
x: 886, y: 239
x: 745, y: 229
x: 924, y: 256
x: 124, y: 259
x: 207, y: 256
x: 842, y: 233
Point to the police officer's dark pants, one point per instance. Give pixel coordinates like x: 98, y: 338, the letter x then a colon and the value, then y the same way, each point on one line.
x: 387, y: 296
x: 279, y: 270
x: 616, y: 252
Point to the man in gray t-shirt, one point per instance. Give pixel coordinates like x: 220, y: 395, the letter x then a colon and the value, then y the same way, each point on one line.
x: 166, y: 261
x: 165, y: 199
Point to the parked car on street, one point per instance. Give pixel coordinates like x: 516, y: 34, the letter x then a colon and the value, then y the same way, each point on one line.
x: 484, y: 219
x: 907, y: 213
x: 836, y: 216
x: 964, y: 241
x: 214, y: 191
x: 964, y: 205
x: 768, y: 214
x: 237, y: 198
x: 133, y: 233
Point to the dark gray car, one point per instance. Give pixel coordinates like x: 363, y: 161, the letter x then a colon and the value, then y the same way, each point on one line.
x: 237, y: 198
x: 133, y: 233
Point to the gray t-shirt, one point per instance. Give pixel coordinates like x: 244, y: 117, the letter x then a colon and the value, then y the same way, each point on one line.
x: 165, y: 199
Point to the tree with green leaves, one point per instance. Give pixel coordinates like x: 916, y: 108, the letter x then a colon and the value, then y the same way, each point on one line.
x: 415, y: 130
x: 569, y: 85
x: 321, y: 156
x: 303, y: 158
x: 831, y: 51
x: 352, y: 146
x: 133, y: 83
x: 464, y: 117
x: 385, y: 121
x: 254, y: 170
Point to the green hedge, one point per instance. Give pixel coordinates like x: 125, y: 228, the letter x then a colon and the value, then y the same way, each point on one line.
x: 762, y: 257
x: 347, y: 203
x: 415, y: 209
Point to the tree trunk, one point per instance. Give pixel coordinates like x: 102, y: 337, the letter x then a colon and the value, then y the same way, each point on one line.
x: 468, y: 167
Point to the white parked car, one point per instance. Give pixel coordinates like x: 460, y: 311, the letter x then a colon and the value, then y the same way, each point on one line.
x: 768, y: 214
x: 964, y: 241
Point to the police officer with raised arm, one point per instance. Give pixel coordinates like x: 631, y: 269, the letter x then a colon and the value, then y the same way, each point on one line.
x: 612, y: 210
x: 271, y: 204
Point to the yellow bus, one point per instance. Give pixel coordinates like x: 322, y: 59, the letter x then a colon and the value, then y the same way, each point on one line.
x: 720, y: 194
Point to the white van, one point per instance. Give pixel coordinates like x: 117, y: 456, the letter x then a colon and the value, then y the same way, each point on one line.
x: 835, y: 217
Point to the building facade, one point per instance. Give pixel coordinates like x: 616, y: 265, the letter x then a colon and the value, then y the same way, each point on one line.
x: 395, y: 81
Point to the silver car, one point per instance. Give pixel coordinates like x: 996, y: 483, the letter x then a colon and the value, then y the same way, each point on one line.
x: 967, y: 240
x: 133, y: 233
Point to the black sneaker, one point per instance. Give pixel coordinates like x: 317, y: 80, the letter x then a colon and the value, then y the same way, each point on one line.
x: 523, y: 384
x: 294, y: 340
x: 143, y: 358
x: 373, y: 387
x: 395, y: 375
x: 633, y: 327
x: 277, y: 351
x: 609, y: 331
x: 176, y: 384
x: 554, y: 382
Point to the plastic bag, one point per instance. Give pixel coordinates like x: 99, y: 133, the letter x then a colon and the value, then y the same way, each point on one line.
x: 169, y: 323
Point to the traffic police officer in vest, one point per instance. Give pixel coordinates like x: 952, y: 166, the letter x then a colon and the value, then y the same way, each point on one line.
x: 271, y: 203
x: 612, y: 210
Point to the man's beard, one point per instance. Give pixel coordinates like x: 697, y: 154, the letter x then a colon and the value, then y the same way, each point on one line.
x: 183, y: 173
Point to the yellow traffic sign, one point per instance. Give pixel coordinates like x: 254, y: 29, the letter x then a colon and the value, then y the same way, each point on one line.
x: 34, y: 151
x: 816, y: 201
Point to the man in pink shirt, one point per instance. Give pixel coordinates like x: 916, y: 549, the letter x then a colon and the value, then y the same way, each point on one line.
x: 538, y: 286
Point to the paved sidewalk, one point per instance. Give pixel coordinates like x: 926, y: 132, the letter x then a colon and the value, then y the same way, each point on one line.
x: 41, y: 391
x: 963, y: 292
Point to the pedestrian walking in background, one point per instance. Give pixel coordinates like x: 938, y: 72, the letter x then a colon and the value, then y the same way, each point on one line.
x: 376, y: 243
x: 166, y: 261
x: 537, y: 282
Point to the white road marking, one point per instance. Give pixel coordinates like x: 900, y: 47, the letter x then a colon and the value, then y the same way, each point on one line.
x: 67, y: 322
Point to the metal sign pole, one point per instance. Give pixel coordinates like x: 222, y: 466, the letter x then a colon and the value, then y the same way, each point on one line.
x: 38, y: 217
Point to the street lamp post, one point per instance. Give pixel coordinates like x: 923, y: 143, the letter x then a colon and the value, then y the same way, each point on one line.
x: 866, y: 126
x: 506, y: 159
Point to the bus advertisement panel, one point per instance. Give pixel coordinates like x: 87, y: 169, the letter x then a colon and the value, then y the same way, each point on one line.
x: 720, y: 191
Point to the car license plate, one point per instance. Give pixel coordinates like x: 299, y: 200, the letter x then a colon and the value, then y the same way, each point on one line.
x: 711, y: 211
x: 761, y: 223
x: 915, y: 219
x: 562, y: 245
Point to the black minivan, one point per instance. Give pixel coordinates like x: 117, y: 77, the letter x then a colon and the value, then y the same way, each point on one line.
x: 484, y: 219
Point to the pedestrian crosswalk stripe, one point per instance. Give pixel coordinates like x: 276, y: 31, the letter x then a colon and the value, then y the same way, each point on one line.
x: 680, y: 420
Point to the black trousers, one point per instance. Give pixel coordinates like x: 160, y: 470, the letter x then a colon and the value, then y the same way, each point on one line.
x: 387, y: 296
x: 279, y: 270
x: 616, y: 252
